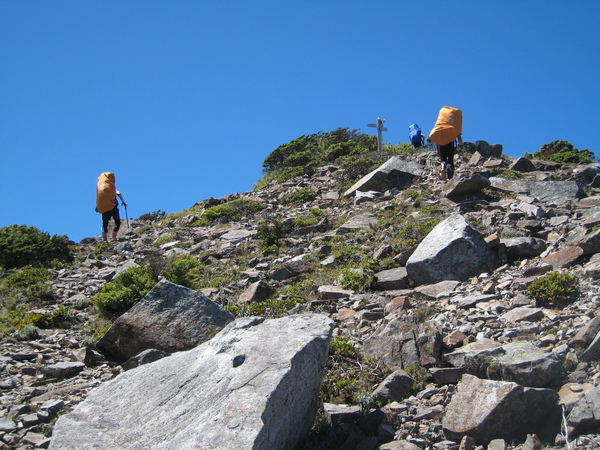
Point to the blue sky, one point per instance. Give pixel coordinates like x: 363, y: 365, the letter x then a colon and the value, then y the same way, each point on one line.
x: 183, y: 100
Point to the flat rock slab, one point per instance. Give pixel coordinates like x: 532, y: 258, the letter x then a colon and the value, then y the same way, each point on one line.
x: 521, y: 362
x: 242, y: 389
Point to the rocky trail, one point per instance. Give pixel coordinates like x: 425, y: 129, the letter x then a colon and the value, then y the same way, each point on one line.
x: 466, y: 357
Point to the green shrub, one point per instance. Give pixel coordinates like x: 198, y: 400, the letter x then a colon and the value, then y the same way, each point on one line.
x: 508, y: 174
x: 347, y: 379
x: 126, y: 290
x: 26, y: 277
x: 319, y: 149
x: 60, y: 318
x: 29, y: 332
x: 99, y: 249
x: 24, y: 321
x: 554, y: 288
x: 357, y: 279
x: 563, y: 152
x: 300, y: 222
x: 404, y: 148
x: 342, y: 346
x: 22, y: 246
x: 270, y: 233
x: 343, y: 253
x: 233, y: 210
x: 420, y: 374
x: 184, y: 271
x: 29, y: 284
x: 302, y: 195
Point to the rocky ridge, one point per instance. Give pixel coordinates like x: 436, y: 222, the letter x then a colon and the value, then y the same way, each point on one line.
x: 477, y: 337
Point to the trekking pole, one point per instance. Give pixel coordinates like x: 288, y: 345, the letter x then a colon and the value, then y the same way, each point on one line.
x: 126, y: 217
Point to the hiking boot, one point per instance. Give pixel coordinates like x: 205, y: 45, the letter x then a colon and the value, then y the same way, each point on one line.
x: 443, y: 172
x: 450, y: 172
x: 114, y: 235
x: 104, y: 236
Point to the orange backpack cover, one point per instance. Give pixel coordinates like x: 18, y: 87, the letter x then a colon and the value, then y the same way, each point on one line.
x: 447, y: 127
x: 106, y: 192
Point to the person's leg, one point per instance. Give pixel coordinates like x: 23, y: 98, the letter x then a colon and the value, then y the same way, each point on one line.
x: 117, y: 219
x: 450, y: 159
x: 105, y: 218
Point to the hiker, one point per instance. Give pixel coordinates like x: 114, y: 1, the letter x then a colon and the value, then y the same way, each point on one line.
x: 415, y: 135
x: 446, y: 155
x: 107, y: 203
x: 446, y: 132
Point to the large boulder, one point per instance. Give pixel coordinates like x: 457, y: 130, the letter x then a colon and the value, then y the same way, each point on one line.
x: 453, y: 250
x: 487, y: 410
x: 394, y: 173
x: 254, y: 385
x: 169, y: 318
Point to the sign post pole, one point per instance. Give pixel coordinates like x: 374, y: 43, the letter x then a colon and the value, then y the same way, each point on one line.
x: 380, y: 128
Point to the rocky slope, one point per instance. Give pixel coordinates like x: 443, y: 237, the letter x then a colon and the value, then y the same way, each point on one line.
x: 472, y: 359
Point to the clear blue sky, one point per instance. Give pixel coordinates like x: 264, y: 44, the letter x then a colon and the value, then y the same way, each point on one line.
x: 183, y: 100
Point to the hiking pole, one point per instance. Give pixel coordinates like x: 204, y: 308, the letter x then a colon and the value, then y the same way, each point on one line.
x: 126, y: 217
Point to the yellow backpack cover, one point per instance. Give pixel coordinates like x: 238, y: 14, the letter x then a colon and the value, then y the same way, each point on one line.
x: 106, y: 192
x: 447, y: 127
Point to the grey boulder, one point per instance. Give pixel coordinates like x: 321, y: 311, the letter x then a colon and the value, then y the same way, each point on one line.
x: 453, y: 250
x: 169, y: 318
x: 254, y: 385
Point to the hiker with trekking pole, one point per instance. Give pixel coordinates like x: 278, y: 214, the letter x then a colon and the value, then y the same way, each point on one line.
x: 108, y: 205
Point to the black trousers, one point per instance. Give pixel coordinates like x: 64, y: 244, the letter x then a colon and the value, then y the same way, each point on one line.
x: 447, y: 154
x: 106, y: 216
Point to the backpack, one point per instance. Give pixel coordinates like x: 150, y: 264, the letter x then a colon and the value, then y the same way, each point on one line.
x: 106, y: 192
x: 415, y: 135
x: 447, y: 127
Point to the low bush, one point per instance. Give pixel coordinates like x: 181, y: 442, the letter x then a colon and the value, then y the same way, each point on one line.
x: 302, y: 195
x: 342, y: 346
x: 508, y: 174
x: 126, y: 290
x: 28, y: 284
x: 22, y: 246
x: 28, y: 322
x: 270, y: 233
x: 554, y: 289
x: 233, y: 210
x: 184, y: 271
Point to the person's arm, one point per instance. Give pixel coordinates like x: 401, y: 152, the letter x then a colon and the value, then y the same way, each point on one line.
x: 460, y: 139
x: 121, y: 197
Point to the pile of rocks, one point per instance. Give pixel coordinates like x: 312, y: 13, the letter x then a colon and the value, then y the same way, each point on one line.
x: 502, y: 370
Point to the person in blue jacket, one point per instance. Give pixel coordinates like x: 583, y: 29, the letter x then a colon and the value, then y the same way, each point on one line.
x: 415, y: 135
